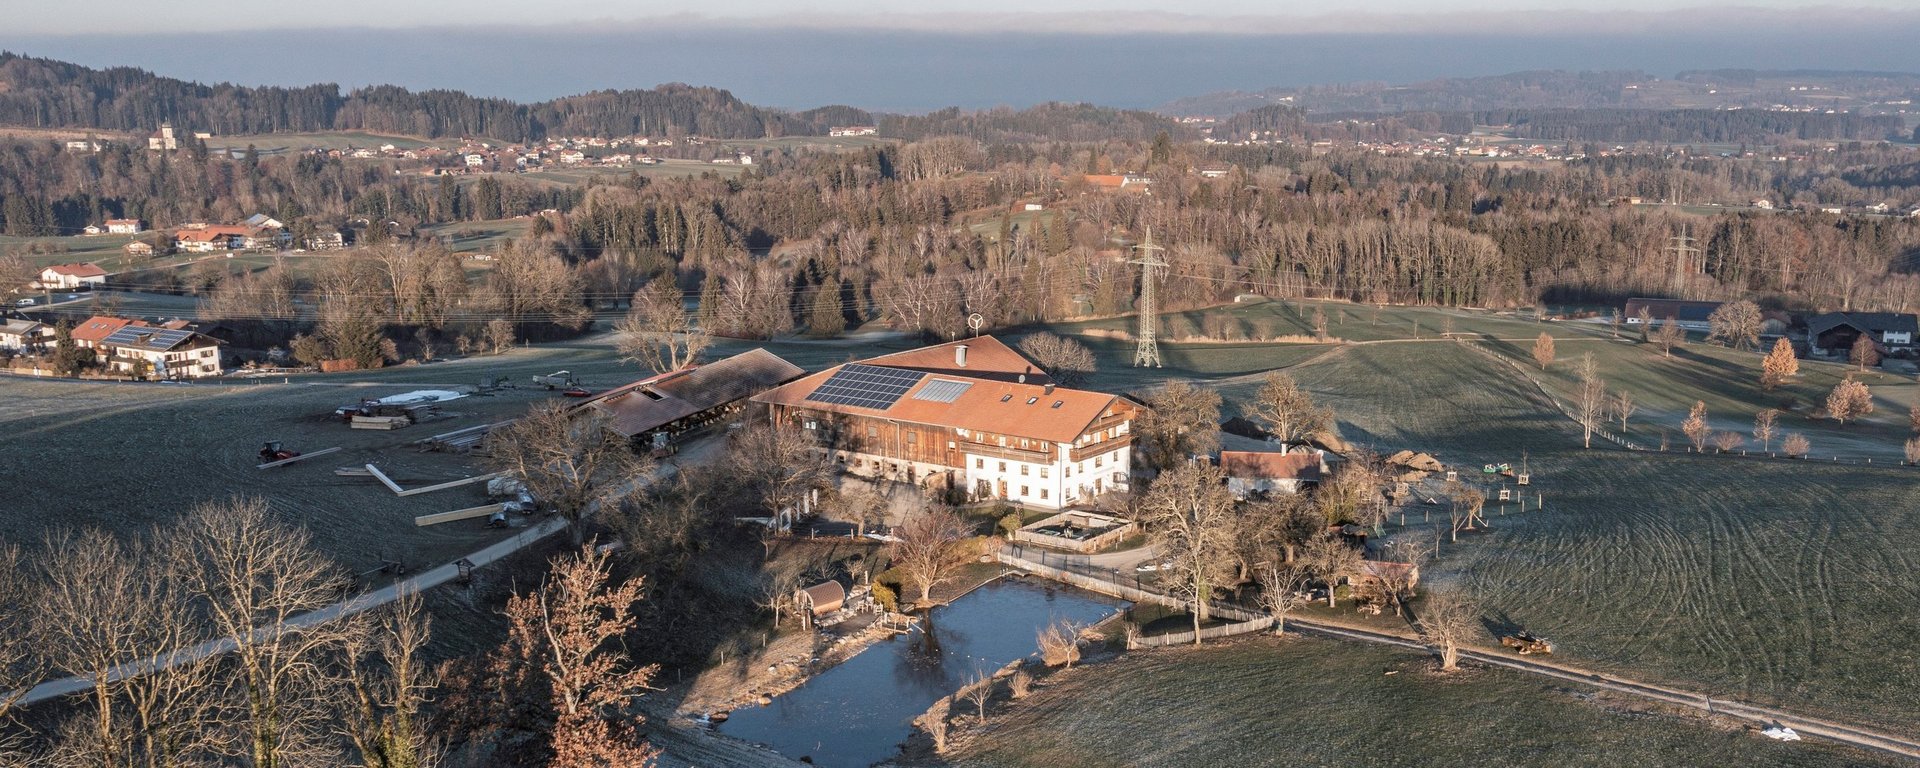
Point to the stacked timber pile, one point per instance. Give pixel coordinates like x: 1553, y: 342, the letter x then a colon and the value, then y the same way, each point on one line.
x: 381, y: 422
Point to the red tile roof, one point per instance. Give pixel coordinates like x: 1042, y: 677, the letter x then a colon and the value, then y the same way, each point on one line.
x: 1267, y: 465
x: 992, y: 402
x: 99, y: 327
x: 77, y: 270
x: 987, y: 358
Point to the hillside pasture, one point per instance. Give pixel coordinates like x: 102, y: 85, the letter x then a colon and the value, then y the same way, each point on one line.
x: 1665, y: 388
x: 1780, y: 582
x: 1307, y: 701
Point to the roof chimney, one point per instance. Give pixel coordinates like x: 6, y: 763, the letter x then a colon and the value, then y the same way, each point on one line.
x: 1023, y: 378
x: 960, y: 355
x: 1049, y: 388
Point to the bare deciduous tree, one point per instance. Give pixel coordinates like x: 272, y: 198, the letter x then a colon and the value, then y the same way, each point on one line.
x: 1282, y: 591
x: 1188, y: 514
x: 1623, y: 407
x: 1059, y: 643
x: 1778, y: 366
x: 1288, y: 409
x: 1795, y: 445
x: 1913, y: 450
x: 1865, y: 354
x: 1020, y: 683
x: 931, y: 546
x: 1445, y: 622
x: 1737, y: 323
x: 1543, y: 350
x: 19, y: 664
x: 1463, y: 509
x: 1180, y: 420
x: 934, y: 722
x: 1669, y: 335
x: 1330, y: 561
x: 1590, y: 401
x: 570, y: 628
x: 1727, y: 440
x: 500, y: 334
x: 1849, y: 401
x: 388, y: 683
x: 1763, y: 426
x: 778, y: 465
x: 979, y: 689
x: 252, y: 577
x: 570, y: 460
x: 1069, y: 362
x: 1695, y: 426
x: 659, y: 333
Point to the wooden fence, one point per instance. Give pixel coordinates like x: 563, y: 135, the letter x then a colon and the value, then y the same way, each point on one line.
x: 1108, y: 587
x: 1208, y: 633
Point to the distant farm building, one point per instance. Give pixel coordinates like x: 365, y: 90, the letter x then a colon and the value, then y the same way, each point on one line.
x: 1835, y: 332
x: 124, y: 226
x: 137, y: 248
x: 1691, y: 315
x: 853, y: 130
x: 970, y: 416
x: 1255, y: 473
x: 653, y: 411
x: 25, y: 336
x: 71, y: 276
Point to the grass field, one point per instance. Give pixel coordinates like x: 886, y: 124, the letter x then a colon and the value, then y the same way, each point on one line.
x: 1728, y: 382
x: 129, y: 456
x: 1302, y: 701
x: 666, y: 169
x: 842, y: 143
x: 1784, y: 583
x: 274, y: 143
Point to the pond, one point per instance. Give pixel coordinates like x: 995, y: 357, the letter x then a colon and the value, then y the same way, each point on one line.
x: 859, y: 712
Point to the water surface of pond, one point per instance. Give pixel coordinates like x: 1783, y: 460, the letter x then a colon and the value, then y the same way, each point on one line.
x: 860, y: 711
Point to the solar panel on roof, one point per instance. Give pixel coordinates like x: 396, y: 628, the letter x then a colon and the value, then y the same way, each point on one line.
x: 157, y: 338
x: 942, y: 390
x: 865, y: 386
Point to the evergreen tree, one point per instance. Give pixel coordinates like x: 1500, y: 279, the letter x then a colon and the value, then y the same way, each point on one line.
x: 827, y: 319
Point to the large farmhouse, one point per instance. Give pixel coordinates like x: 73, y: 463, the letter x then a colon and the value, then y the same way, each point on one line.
x: 973, y: 416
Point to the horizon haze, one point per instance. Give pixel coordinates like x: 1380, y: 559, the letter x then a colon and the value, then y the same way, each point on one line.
x: 915, y: 65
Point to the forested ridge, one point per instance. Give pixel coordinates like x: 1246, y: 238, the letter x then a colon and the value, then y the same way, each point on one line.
x: 44, y: 93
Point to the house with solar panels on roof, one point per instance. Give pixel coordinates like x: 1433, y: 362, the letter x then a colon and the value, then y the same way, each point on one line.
x: 972, y: 416
x: 161, y: 352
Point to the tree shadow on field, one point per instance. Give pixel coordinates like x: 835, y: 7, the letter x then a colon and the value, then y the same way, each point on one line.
x: 1500, y: 624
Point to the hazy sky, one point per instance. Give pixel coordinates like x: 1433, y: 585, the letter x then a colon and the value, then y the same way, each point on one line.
x: 922, y: 61
x: 44, y: 16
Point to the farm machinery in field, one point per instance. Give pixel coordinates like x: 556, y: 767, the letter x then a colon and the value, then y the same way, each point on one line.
x: 557, y: 380
x: 272, y: 452
x: 1527, y: 643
